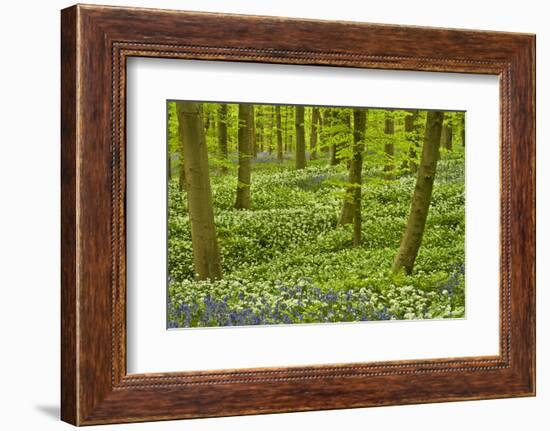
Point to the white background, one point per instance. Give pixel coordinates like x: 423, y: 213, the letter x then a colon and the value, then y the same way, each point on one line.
x: 29, y: 216
x: 151, y: 348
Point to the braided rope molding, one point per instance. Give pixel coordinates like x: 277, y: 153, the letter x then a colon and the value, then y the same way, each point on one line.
x: 114, y: 197
x: 149, y: 49
x: 123, y: 49
x: 307, y: 377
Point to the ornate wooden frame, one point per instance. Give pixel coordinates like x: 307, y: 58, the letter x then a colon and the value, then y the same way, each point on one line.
x: 95, y: 43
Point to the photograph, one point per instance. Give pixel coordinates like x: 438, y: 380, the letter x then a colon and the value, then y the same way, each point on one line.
x: 291, y: 214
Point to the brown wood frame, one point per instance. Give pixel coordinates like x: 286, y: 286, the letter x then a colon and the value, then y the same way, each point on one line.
x: 95, y: 43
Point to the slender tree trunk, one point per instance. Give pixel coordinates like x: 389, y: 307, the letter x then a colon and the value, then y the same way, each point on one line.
x: 333, y: 156
x: 463, y: 129
x: 359, y: 126
x: 279, y: 134
x: 389, y: 150
x: 169, y: 165
x: 258, y: 124
x: 313, y: 138
x: 415, y: 145
x: 447, y: 137
x: 411, y: 131
x: 246, y: 144
x: 222, y: 135
x: 300, y: 138
x: 209, y: 122
x: 206, y: 254
x: 351, y: 209
x: 254, y: 141
x: 270, y: 129
x: 331, y: 120
x: 289, y: 127
x: 420, y: 204
x: 334, y: 159
x: 285, y: 129
x: 322, y: 132
x: 206, y: 116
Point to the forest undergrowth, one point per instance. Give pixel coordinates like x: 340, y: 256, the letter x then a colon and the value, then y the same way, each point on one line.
x: 286, y: 260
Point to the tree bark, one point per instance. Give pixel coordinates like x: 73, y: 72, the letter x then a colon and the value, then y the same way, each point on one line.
x: 206, y: 255
x: 322, y: 124
x: 412, y: 132
x: 420, y: 204
x: 333, y: 156
x: 181, y: 168
x: 246, y: 145
x: 254, y: 141
x: 285, y: 130
x: 279, y: 134
x: 289, y: 129
x: 314, y: 127
x: 389, y: 149
x: 258, y: 125
x: 300, y: 138
x: 447, y: 137
x: 206, y: 118
x: 463, y: 131
x: 351, y: 209
x: 332, y: 121
x: 222, y: 135
x: 270, y: 130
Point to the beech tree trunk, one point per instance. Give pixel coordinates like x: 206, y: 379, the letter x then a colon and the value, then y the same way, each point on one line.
x: 389, y: 150
x: 206, y: 255
x: 258, y: 125
x: 359, y: 126
x: 314, y: 128
x: 322, y: 123
x: 279, y: 134
x: 351, y: 209
x: 222, y: 135
x: 300, y: 138
x: 289, y: 125
x: 246, y: 145
x: 338, y: 119
x: 206, y: 119
x: 412, y: 238
x: 447, y: 137
x: 329, y: 121
x: 333, y: 156
x: 270, y: 130
x: 411, y: 129
x: 254, y: 141
x: 463, y: 131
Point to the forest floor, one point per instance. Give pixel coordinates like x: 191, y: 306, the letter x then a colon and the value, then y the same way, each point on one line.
x: 286, y: 261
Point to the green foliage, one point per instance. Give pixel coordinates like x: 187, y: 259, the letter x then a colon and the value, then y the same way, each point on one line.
x: 173, y: 134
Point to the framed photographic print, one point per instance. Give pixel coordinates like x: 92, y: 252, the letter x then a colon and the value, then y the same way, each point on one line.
x: 264, y: 214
